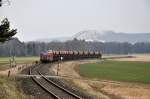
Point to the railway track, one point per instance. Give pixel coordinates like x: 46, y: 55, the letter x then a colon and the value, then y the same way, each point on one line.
x: 50, y: 86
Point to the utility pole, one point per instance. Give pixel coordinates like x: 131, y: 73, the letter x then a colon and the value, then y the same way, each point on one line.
x: 58, y: 68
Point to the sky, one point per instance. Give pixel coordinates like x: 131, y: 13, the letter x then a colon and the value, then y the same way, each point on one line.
x: 36, y: 19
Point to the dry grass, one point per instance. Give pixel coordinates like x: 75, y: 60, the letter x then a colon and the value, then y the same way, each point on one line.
x: 123, y: 90
x: 8, y: 86
x: 8, y: 89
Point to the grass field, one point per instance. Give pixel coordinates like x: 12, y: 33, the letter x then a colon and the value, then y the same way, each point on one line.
x: 118, y: 71
x: 4, y: 61
x: 18, y: 59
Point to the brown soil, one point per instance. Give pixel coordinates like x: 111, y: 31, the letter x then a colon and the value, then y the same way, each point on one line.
x: 142, y: 57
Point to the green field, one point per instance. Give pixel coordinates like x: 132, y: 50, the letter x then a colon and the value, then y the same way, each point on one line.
x: 18, y: 59
x: 118, y: 71
x: 4, y: 61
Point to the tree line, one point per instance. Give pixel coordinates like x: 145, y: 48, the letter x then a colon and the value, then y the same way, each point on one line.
x: 17, y: 48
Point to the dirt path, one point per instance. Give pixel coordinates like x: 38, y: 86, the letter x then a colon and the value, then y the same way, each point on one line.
x: 14, y: 70
x: 103, y: 89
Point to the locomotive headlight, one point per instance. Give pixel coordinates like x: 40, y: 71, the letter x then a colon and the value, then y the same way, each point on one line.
x: 61, y: 58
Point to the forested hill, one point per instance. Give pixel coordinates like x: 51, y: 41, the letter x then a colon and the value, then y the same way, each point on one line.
x: 15, y: 47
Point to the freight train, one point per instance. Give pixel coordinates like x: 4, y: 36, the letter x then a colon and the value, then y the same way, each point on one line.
x: 52, y: 56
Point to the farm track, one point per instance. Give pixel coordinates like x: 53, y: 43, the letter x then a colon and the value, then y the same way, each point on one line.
x: 57, y: 91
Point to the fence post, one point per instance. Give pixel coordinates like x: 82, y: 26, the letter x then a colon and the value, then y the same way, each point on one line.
x: 8, y: 73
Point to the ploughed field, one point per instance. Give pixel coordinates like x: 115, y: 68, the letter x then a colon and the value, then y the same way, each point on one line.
x: 128, y: 71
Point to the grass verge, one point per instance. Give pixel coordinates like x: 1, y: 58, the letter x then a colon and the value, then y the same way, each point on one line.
x: 9, y: 90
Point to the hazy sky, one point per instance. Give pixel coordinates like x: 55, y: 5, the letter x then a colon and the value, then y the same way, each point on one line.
x: 55, y: 18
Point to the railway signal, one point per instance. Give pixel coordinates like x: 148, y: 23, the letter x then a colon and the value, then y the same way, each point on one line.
x: 61, y: 59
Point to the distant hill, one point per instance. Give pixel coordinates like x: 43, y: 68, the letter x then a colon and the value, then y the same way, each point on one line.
x: 104, y: 36
x: 89, y: 35
x: 110, y: 36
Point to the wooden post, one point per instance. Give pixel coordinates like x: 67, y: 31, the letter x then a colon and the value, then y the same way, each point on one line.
x: 8, y: 73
